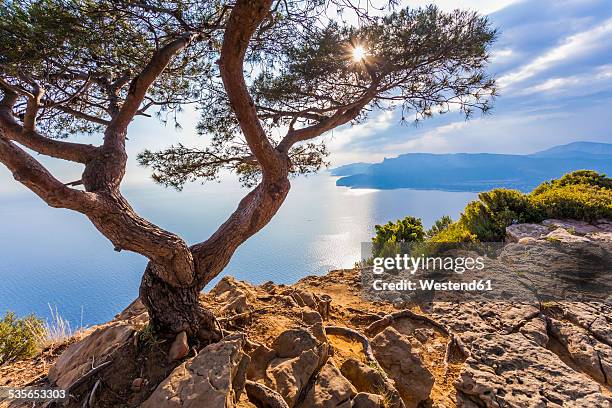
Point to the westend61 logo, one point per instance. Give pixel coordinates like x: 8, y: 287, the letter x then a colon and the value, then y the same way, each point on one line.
x: 427, y: 265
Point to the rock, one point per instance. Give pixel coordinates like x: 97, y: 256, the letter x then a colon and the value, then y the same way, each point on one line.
x: 516, y: 232
x: 261, y: 356
x: 591, y: 316
x: 563, y: 235
x: 206, y: 380
x: 527, y: 241
x: 572, y: 226
x: 371, y: 380
x: 137, y: 384
x: 403, y: 365
x: 135, y: 310
x: 589, y: 355
x: 330, y: 390
x: 293, y: 342
x: 365, y: 400
x: 237, y: 306
x: 262, y: 396
x: 298, y: 355
x: 314, y: 321
x: 179, y: 348
x: 94, y: 349
x: 510, y: 370
x: 535, y: 329
x: 230, y: 288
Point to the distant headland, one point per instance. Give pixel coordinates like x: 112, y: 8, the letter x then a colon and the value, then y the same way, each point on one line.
x: 476, y: 171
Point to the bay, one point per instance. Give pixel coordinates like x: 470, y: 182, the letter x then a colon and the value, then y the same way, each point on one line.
x: 53, y: 257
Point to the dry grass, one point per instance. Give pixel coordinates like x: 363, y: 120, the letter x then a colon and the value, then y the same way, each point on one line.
x: 58, y: 331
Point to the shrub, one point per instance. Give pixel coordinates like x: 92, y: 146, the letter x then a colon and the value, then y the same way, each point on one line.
x: 392, y: 235
x: 582, y: 195
x: 584, y: 177
x: 439, y: 225
x: 488, y: 217
x: 19, y: 338
x: 579, y: 201
x: 454, y: 233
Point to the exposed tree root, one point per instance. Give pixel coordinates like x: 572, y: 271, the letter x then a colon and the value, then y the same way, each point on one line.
x: 355, y: 336
x: 390, y: 392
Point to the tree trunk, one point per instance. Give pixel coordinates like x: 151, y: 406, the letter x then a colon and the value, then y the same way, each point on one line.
x: 173, y: 309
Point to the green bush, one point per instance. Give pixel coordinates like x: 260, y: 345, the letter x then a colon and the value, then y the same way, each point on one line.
x: 582, y: 195
x: 392, y: 235
x: 579, y: 201
x: 19, y: 338
x: 584, y: 177
x: 439, y: 225
x: 488, y: 217
x: 454, y: 233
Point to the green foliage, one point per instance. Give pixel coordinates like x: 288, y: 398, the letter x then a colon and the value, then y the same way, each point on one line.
x: 582, y: 195
x: 575, y: 201
x: 148, y: 337
x: 454, y: 233
x: 392, y: 235
x: 439, y: 225
x: 488, y: 217
x: 579, y: 177
x: 19, y: 338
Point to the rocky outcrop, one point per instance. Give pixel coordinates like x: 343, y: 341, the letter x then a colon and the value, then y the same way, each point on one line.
x: 213, y: 378
x: 330, y: 389
x: 396, y: 355
x: 91, y: 353
x: 298, y: 358
x: 320, y: 343
x: 507, y: 370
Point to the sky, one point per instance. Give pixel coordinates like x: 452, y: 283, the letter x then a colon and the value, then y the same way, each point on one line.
x: 553, y: 64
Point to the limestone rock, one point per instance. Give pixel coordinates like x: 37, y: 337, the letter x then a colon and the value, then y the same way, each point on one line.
x: 535, y: 329
x: 509, y: 370
x: 299, y: 354
x: 179, y: 348
x: 330, y: 390
x: 591, y: 356
x: 365, y: 400
x: 371, y: 380
x: 207, y: 380
x: 573, y: 226
x: 402, y: 363
x: 563, y: 235
x: 230, y: 288
x: 95, y: 349
x: 516, y: 232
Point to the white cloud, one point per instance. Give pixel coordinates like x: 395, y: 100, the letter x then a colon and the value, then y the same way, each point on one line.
x: 596, y: 80
x: 482, y: 6
x: 575, y: 46
x: 341, y: 138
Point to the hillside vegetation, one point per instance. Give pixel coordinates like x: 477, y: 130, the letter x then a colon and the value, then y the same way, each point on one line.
x: 581, y: 195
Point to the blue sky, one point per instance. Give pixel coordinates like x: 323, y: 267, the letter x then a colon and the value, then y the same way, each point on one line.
x: 553, y: 61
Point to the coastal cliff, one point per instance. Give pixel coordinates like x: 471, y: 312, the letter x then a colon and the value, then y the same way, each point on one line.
x: 324, y: 342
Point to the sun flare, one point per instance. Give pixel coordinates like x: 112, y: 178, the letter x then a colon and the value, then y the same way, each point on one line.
x: 359, y: 53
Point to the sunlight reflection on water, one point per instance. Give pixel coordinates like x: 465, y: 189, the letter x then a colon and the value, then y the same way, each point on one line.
x: 57, y: 257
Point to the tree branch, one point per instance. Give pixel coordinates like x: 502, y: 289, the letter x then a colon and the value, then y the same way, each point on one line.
x: 141, y: 83
x: 243, y: 21
x: 31, y: 139
x: 341, y: 117
x: 29, y: 172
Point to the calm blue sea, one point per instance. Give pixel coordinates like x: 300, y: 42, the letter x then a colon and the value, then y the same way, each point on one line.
x: 55, y: 257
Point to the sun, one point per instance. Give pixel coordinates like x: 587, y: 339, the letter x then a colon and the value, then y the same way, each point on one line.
x: 359, y: 53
